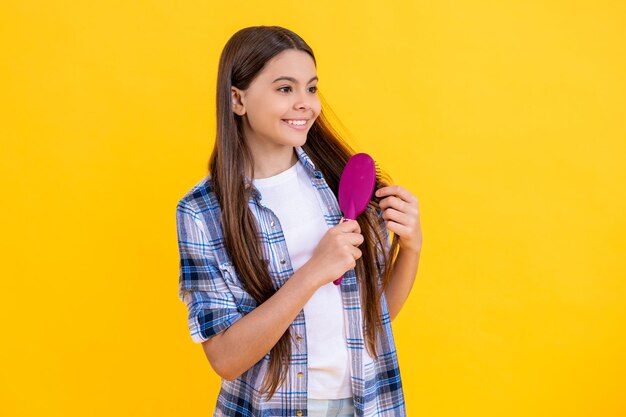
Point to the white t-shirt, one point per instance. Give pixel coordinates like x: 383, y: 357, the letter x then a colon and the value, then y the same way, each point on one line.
x: 292, y: 198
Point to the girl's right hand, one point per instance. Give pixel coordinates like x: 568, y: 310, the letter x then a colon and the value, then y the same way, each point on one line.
x: 336, y: 252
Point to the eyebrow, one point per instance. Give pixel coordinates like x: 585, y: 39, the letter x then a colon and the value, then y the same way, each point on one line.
x: 293, y: 80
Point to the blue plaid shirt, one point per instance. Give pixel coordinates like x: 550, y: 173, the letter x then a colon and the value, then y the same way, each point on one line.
x: 215, y: 299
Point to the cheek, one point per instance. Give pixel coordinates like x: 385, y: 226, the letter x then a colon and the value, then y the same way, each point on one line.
x: 265, y: 109
x: 266, y: 116
x: 276, y: 110
x: 317, y: 108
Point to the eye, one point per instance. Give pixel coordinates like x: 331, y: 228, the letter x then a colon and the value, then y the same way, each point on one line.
x: 281, y: 89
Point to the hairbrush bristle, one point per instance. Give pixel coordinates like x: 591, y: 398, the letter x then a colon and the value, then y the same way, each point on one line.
x: 378, y: 170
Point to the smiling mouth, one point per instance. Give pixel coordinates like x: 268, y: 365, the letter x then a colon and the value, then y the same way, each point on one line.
x: 298, y: 124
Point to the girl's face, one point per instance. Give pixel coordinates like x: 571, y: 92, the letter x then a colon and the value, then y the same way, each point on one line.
x: 285, y: 89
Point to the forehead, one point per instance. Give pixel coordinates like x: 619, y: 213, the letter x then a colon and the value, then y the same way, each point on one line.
x: 290, y: 63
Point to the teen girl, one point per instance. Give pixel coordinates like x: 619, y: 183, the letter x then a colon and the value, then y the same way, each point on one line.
x: 261, y: 241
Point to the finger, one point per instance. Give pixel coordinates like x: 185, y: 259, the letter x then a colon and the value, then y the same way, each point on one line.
x: 351, y: 226
x: 356, y: 239
x: 395, y: 202
x: 398, y: 228
x: 397, y: 216
x: 405, y: 195
x: 398, y: 191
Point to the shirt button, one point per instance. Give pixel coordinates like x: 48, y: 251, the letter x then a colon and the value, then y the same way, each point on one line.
x: 282, y: 261
x: 300, y: 374
x: 272, y: 223
x: 299, y: 413
x: 299, y: 339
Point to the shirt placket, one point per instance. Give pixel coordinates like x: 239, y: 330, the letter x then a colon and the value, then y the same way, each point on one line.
x: 297, y: 370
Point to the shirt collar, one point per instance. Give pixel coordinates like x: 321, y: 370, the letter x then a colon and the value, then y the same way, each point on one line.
x: 306, y: 161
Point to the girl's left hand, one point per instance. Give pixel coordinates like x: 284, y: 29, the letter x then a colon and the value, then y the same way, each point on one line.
x: 401, y: 211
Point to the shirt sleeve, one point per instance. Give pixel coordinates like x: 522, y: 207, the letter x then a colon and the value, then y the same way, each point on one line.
x: 211, y: 306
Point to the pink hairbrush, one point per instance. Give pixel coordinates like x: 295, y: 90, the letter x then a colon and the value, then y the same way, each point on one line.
x: 356, y: 187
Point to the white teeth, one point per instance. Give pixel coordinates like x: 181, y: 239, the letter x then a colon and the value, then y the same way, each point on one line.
x: 296, y: 122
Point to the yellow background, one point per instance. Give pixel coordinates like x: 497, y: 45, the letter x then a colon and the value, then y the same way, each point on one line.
x: 504, y: 118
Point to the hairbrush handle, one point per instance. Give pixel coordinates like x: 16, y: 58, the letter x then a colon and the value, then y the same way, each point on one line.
x: 338, y: 280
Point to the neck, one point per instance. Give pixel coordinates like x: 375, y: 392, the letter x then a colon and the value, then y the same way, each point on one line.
x: 272, y: 160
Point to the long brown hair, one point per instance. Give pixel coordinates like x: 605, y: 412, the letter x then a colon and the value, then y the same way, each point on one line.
x: 243, y: 56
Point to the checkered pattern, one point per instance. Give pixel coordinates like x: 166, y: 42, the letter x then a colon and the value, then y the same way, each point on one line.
x: 215, y: 299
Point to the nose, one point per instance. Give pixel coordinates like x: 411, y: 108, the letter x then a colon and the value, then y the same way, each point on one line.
x: 304, y: 102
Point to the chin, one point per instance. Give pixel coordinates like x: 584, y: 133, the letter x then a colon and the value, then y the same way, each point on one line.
x: 301, y: 142
x: 295, y: 141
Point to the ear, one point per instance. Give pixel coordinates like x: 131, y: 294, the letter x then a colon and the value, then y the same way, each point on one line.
x: 236, y: 100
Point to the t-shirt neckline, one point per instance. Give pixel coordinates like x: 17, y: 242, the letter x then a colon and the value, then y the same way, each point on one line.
x: 279, y: 178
